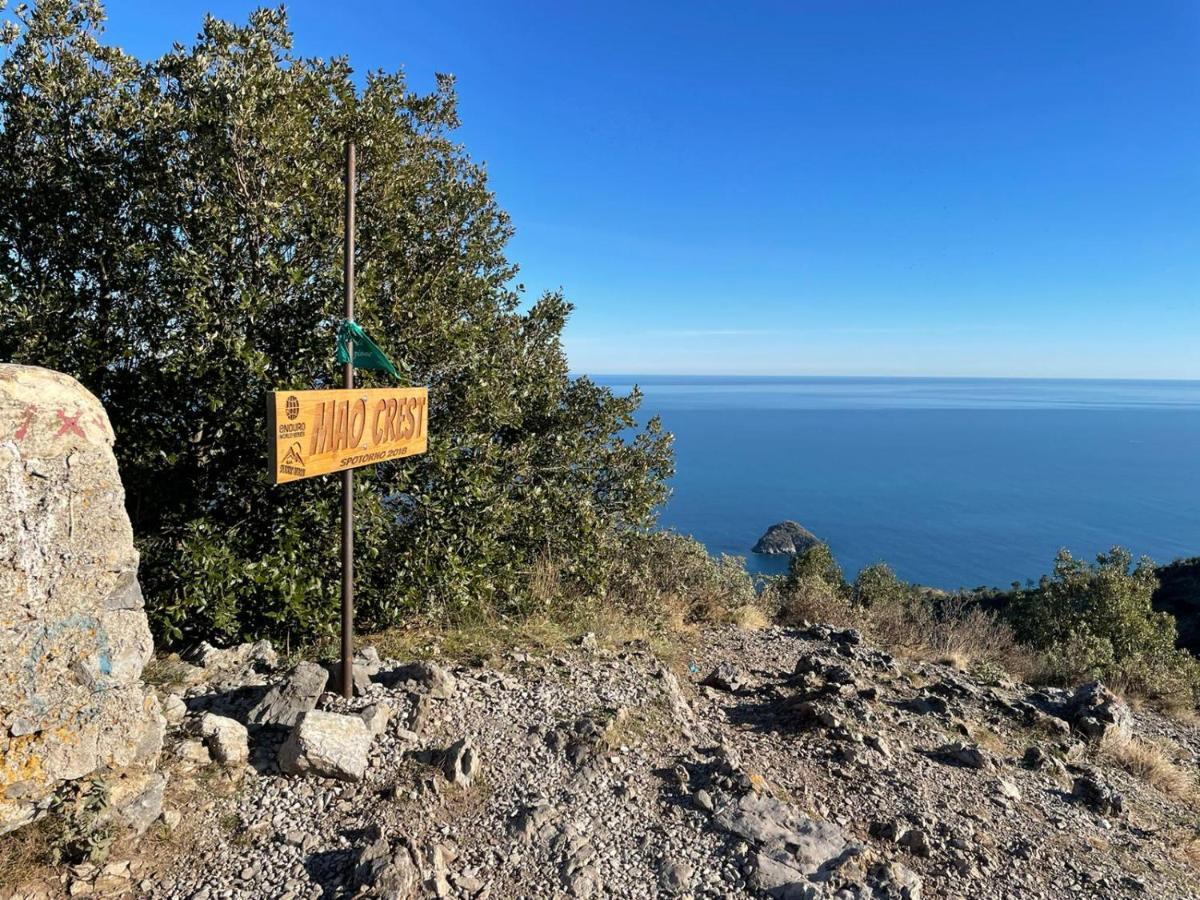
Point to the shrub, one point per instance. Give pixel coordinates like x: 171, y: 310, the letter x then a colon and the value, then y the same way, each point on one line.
x: 1097, y: 620
x: 817, y: 562
x: 951, y: 628
x: 877, y: 585
x: 84, y: 831
x: 813, y: 590
x: 810, y: 599
x: 653, y: 572
x: 1080, y: 657
x: 170, y: 235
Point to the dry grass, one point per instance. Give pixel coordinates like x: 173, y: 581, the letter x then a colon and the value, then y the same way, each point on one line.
x: 956, y: 659
x: 484, y: 641
x: 635, y: 727
x: 987, y: 739
x: 953, y: 633
x: 750, y: 617
x: 25, y: 857
x: 661, y: 590
x: 1179, y: 709
x: 166, y: 671
x: 1149, y: 762
x: 1188, y: 850
x: 487, y: 641
x: 545, y: 582
x: 960, y: 636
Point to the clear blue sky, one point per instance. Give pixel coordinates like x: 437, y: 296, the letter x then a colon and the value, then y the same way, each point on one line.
x: 961, y: 187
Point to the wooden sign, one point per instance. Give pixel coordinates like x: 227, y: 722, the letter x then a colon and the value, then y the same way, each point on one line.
x: 317, y: 432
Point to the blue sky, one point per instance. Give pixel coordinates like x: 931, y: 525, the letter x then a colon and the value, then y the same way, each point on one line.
x: 844, y: 187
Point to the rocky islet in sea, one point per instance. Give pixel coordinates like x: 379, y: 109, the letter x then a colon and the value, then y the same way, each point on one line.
x: 785, y: 538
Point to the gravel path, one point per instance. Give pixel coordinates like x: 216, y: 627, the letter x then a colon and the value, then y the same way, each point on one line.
x: 775, y: 763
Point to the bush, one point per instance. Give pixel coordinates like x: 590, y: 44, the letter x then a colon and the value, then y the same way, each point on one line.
x: 1098, y: 622
x: 920, y: 622
x: 817, y: 563
x: 877, y: 585
x: 1080, y: 657
x: 813, y: 590
x: 653, y: 573
x: 170, y: 235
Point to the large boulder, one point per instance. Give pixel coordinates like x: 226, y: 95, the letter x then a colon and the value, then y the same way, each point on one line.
x: 789, y: 853
x: 785, y: 539
x: 769, y: 822
x: 422, y: 678
x: 386, y: 869
x: 73, y: 631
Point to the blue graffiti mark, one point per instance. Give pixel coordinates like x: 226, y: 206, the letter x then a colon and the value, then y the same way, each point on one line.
x: 45, y: 642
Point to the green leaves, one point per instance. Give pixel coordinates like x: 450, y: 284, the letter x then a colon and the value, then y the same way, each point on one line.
x: 1099, y: 620
x: 171, y: 232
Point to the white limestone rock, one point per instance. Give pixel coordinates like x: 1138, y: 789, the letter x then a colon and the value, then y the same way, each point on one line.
x: 327, y: 744
x: 74, y: 635
x: 226, y: 738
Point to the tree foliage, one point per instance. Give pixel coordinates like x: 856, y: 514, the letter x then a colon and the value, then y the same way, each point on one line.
x: 877, y: 585
x: 170, y: 234
x: 814, y: 588
x: 1099, y: 621
x: 816, y: 562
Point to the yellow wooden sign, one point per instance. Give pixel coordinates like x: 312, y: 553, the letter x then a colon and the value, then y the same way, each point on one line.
x: 316, y: 432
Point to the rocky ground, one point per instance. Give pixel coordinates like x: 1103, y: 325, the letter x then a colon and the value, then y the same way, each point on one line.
x: 776, y: 763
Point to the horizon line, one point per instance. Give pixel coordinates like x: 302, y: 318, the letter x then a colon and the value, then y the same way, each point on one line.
x: 1102, y: 378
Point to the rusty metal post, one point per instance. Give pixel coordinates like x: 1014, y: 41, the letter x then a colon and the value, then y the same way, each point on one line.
x: 348, y: 475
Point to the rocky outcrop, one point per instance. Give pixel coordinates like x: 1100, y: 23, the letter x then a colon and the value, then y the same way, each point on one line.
x: 425, y: 678
x: 289, y: 700
x: 462, y: 763
x: 812, y: 764
x: 1096, y: 712
x: 376, y: 717
x: 73, y: 631
x: 230, y: 660
x: 785, y: 539
x: 385, y: 870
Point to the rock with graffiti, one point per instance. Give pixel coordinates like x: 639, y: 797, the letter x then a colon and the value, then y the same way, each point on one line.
x: 73, y: 631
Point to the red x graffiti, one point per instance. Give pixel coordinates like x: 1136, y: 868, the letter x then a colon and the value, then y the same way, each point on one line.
x: 70, y: 423
x: 25, y: 420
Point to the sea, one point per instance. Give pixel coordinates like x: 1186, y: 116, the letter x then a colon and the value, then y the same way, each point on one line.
x: 953, y: 482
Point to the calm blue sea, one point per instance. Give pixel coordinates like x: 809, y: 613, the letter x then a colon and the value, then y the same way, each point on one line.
x: 953, y: 482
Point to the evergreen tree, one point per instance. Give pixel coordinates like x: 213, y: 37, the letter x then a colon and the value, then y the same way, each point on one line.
x: 170, y: 234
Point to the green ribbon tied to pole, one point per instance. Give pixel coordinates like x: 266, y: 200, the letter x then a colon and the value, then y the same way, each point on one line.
x: 367, y: 354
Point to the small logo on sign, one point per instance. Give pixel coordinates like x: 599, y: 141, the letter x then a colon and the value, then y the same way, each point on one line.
x: 293, y: 407
x: 293, y: 462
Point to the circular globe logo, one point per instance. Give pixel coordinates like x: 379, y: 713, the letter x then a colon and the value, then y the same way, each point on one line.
x: 293, y: 407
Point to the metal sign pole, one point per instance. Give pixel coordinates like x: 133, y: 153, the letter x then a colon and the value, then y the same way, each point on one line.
x: 348, y: 475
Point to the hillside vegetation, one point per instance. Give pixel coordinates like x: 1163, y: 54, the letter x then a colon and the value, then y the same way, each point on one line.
x: 1081, y: 622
